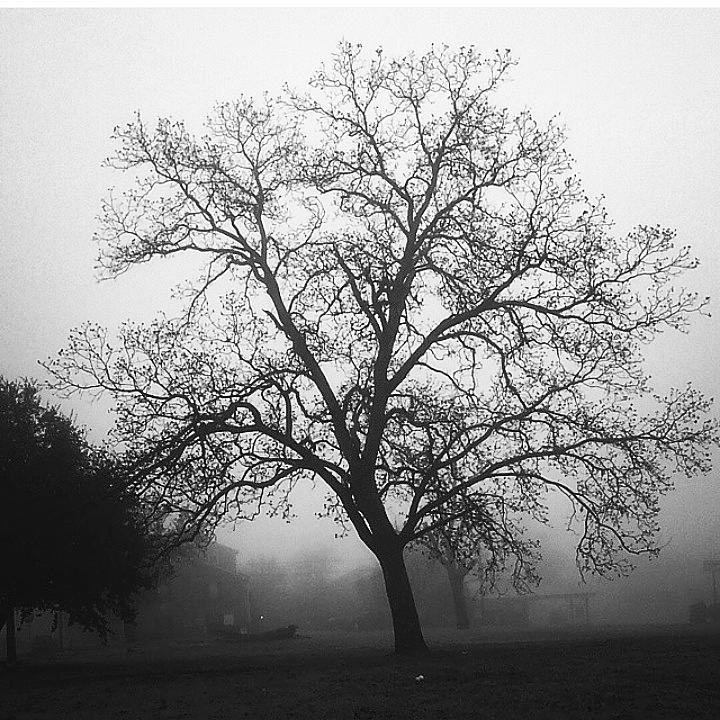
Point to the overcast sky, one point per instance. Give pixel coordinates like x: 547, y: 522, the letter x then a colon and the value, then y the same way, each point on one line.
x: 639, y: 92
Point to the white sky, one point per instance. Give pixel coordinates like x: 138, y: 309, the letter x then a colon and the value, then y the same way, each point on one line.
x: 639, y: 91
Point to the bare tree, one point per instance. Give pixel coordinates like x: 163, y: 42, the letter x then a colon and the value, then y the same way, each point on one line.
x: 383, y: 250
x: 472, y: 529
x: 477, y: 537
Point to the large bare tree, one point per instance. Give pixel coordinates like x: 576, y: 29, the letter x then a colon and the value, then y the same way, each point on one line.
x: 393, y: 265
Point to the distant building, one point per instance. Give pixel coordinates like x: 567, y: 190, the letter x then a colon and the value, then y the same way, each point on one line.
x: 204, y: 594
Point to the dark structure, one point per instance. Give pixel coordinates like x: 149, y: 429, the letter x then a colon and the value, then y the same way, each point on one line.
x: 701, y: 613
x: 204, y: 595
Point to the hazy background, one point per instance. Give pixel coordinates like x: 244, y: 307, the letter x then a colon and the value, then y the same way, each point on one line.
x: 639, y: 91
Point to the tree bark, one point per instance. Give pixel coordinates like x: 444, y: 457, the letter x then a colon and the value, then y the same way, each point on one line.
x: 409, y: 639
x: 457, y: 585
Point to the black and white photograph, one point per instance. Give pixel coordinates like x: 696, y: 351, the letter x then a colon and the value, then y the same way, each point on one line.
x: 359, y: 363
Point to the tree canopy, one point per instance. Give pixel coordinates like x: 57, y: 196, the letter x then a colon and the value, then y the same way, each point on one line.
x: 72, y: 536
x: 406, y: 296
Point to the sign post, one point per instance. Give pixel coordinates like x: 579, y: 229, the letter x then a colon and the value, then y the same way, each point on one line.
x: 713, y: 567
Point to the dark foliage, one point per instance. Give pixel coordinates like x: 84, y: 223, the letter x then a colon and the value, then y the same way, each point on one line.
x: 73, y: 536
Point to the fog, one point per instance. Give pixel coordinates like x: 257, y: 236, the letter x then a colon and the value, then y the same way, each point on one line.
x: 311, y: 559
x: 638, y: 91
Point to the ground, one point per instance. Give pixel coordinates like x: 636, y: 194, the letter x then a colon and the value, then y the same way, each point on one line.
x: 648, y: 673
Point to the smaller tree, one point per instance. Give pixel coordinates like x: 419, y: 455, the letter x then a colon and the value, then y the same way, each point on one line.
x: 473, y: 531
x: 469, y: 529
x: 73, y: 536
x: 487, y: 547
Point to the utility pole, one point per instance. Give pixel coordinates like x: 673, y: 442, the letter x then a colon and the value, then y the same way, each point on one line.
x: 713, y: 567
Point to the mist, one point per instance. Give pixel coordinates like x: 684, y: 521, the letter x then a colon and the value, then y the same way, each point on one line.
x: 636, y: 94
x: 312, y: 562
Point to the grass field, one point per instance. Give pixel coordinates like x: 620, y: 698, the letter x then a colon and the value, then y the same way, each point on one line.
x: 605, y: 673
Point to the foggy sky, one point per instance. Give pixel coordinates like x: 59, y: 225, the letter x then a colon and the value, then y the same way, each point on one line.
x: 639, y: 92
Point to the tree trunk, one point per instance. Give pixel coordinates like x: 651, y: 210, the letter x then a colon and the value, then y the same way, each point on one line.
x: 457, y: 585
x: 11, y: 655
x: 406, y: 623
